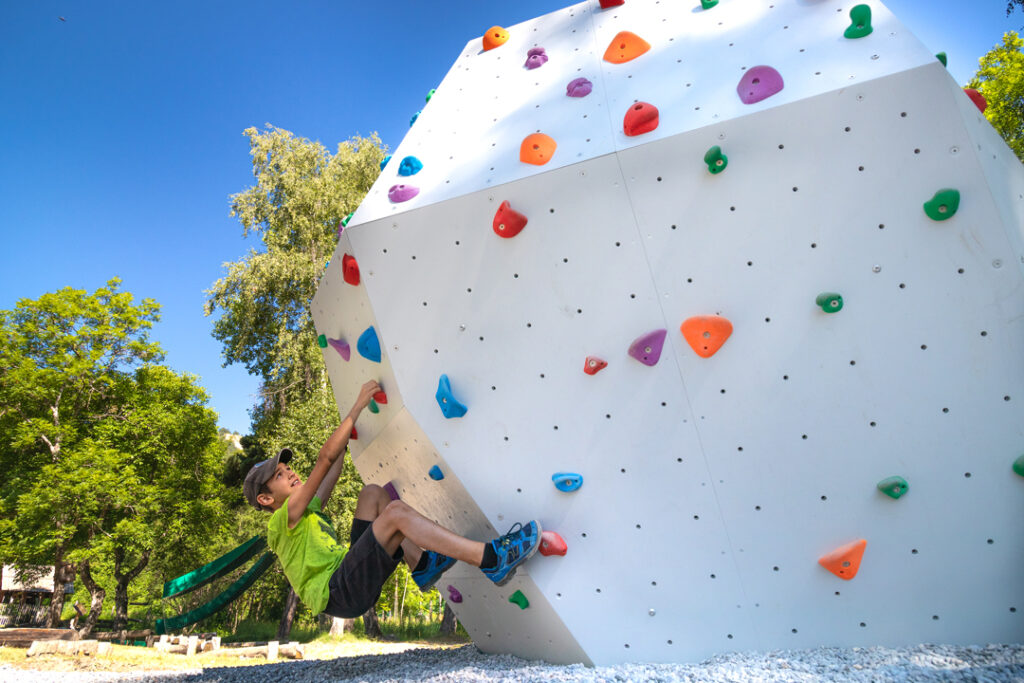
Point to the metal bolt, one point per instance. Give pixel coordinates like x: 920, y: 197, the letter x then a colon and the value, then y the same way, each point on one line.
x: 877, y: 269
x: 651, y: 612
x: 998, y: 263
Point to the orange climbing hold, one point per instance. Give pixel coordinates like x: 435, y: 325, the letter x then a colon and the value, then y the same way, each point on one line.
x: 537, y: 149
x: 350, y: 269
x: 507, y: 221
x: 979, y: 100
x: 706, y: 333
x: 625, y: 47
x: 495, y: 37
x: 844, y: 561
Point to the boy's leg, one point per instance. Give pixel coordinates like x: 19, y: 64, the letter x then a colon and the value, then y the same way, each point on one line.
x: 398, y: 524
x: 370, y: 505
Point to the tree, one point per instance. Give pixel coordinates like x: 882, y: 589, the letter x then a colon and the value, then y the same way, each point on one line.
x: 1000, y: 79
x: 1012, y: 4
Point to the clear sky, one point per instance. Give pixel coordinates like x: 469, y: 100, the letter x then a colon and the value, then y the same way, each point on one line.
x: 121, y: 128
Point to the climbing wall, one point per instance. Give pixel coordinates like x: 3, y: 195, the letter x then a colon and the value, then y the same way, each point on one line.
x: 841, y: 353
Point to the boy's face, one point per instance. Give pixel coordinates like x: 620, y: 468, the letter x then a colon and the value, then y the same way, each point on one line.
x: 281, y: 485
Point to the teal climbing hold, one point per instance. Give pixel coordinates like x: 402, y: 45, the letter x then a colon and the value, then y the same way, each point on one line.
x: 384, y: 162
x: 368, y: 345
x: 708, y: 4
x: 435, y: 473
x: 346, y: 219
x: 410, y: 166
x: 374, y: 408
x: 431, y: 93
x: 860, y: 25
x: 414, y: 117
x: 450, y: 407
x: 830, y: 302
x: 894, y: 487
x: 519, y: 599
x: 567, y: 481
x: 942, y: 58
x: 321, y: 341
x: 1018, y: 465
x: 715, y: 160
x: 943, y: 205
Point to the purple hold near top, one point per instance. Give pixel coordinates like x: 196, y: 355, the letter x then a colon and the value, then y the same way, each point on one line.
x: 759, y: 83
x: 454, y: 595
x: 579, y: 87
x: 535, y: 57
x: 647, y: 348
x: 402, y: 193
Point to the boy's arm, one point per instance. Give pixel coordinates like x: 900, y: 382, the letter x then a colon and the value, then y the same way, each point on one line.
x: 332, y: 452
x: 323, y: 492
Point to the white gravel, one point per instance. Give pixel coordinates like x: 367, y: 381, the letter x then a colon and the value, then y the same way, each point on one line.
x: 946, y: 663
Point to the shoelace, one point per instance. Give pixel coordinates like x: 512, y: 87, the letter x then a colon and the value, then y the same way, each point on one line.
x: 507, y: 538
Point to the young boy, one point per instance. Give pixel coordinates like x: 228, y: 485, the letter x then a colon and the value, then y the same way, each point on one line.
x: 346, y: 582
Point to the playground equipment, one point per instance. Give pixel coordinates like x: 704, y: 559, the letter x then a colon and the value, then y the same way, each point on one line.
x: 773, y: 340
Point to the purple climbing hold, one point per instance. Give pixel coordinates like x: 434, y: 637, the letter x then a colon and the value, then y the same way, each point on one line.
x: 341, y: 346
x: 402, y: 193
x: 390, y: 488
x: 454, y: 595
x: 647, y: 348
x: 759, y: 83
x: 535, y: 57
x: 579, y: 87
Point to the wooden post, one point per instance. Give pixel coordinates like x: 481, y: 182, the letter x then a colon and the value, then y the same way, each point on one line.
x: 193, y: 641
x: 272, y: 650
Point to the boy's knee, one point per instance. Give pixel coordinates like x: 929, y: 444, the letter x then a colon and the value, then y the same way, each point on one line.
x: 396, y: 509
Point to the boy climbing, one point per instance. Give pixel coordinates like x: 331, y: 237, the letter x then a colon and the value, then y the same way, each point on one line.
x: 346, y: 582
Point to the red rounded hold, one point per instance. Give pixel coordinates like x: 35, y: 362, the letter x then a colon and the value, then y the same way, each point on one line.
x: 551, y: 543
x: 381, y: 398
x: 979, y: 100
x: 594, y: 365
x: 350, y: 269
x: 641, y: 118
x: 507, y: 221
x: 605, y: 4
x: 354, y: 435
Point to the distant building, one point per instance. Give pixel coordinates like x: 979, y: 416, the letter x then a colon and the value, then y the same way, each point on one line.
x: 24, y: 598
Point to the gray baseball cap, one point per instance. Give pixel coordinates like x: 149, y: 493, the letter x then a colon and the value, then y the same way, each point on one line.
x: 261, y: 473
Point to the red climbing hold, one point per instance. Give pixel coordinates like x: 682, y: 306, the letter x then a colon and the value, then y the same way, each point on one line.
x: 706, y: 333
x: 640, y: 118
x: 381, y: 398
x: 605, y: 4
x: 537, y: 149
x: 354, y: 435
x: 625, y: 46
x: 979, y: 100
x: 350, y: 269
x: 507, y: 221
x: 552, y: 544
x: 844, y: 561
x: 594, y: 365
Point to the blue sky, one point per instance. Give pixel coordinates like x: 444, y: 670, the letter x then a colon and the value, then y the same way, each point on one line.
x: 121, y: 129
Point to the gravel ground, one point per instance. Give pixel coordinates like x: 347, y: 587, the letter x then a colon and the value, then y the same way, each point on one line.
x: 944, y: 663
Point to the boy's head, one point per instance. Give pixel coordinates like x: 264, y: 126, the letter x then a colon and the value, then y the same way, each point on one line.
x: 270, y: 482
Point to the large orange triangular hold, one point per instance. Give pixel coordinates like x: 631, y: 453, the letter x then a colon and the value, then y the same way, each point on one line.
x: 625, y: 46
x: 845, y: 561
x: 706, y: 333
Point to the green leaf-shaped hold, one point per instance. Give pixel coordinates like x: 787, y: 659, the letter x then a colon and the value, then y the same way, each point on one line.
x: 431, y: 94
x: 942, y: 58
x: 715, y: 160
x: 708, y: 4
x: 894, y: 487
x: 519, y: 599
x: 830, y: 302
x: 860, y: 16
x: 321, y: 341
x: 374, y: 408
x: 346, y: 219
x: 1018, y: 465
x: 943, y: 205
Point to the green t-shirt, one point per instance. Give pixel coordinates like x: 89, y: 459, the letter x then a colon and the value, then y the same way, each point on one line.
x: 309, y: 552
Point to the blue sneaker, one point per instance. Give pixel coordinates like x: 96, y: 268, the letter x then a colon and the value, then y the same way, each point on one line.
x: 437, y: 564
x: 512, y: 549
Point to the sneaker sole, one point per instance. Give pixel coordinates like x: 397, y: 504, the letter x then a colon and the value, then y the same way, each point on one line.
x: 533, y: 551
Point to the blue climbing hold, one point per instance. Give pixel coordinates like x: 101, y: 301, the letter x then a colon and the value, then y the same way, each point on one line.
x: 410, y: 166
x: 368, y: 345
x: 449, y: 406
x: 567, y: 481
x: 436, y: 474
x: 414, y: 117
x: 384, y: 162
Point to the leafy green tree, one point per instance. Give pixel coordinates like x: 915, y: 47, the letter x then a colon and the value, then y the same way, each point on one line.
x: 1000, y: 79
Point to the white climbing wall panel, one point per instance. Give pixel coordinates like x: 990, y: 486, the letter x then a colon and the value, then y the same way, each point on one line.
x: 711, y: 485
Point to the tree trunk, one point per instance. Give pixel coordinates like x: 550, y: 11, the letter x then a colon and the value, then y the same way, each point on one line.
x: 371, y: 626
x: 334, y: 626
x: 121, y: 590
x: 96, y: 604
x: 290, y: 604
x: 62, y: 573
x: 448, y: 621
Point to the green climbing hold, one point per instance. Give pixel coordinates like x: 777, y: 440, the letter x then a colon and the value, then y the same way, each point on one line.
x: 346, y: 219
x: 708, y: 4
x: 1018, y: 465
x: 861, y: 22
x: 321, y: 341
x: 830, y: 302
x: 715, y: 160
x: 431, y: 93
x: 942, y: 58
x: 519, y: 599
x: 943, y: 205
x: 894, y: 487
x: 374, y: 408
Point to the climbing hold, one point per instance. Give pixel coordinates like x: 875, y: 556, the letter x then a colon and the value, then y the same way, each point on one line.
x: 354, y: 435
x: 845, y: 561
x: 640, y: 118
x: 860, y: 17
x: 625, y: 46
x: 979, y: 100
x: 830, y: 302
x: 594, y: 365
x: 350, y: 269
x: 708, y: 4
x: 551, y: 543
x: 346, y: 219
x: 759, y: 83
x: 368, y: 345
x: 384, y: 162
x: 715, y: 160
x: 1018, y: 465
x: 402, y: 193
x: 449, y: 406
x: 374, y: 408
x: 894, y: 487
x: 535, y: 57
x: 390, y: 488
x: 414, y: 117
x: 494, y: 37
x: 706, y: 333
x: 943, y: 205
x: 579, y: 87
x: 647, y: 348
x: 454, y: 595
x: 507, y: 221
x: 942, y: 58
x: 381, y: 398
x: 341, y: 347
x: 410, y: 166
x: 431, y: 93
x: 322, y: 341
x: 519, y: 599
x: 605, y: 4
x: 537, y: 149
x: 567, y: 481
x: 435, y: 473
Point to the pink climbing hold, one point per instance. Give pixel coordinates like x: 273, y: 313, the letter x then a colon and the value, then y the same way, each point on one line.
x: 759, y: 83
x: 402, y: 193
x: 979, y: 100
x: 594, y: 365
x: 535, y: 57
x: 341, y: 346
x: 647, y: 348
x: 579, y: 87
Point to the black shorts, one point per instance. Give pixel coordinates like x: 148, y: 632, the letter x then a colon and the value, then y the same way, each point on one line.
x: 356, y: 584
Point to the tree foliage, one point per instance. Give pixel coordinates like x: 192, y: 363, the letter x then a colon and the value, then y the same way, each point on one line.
x: 1000, y: 78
